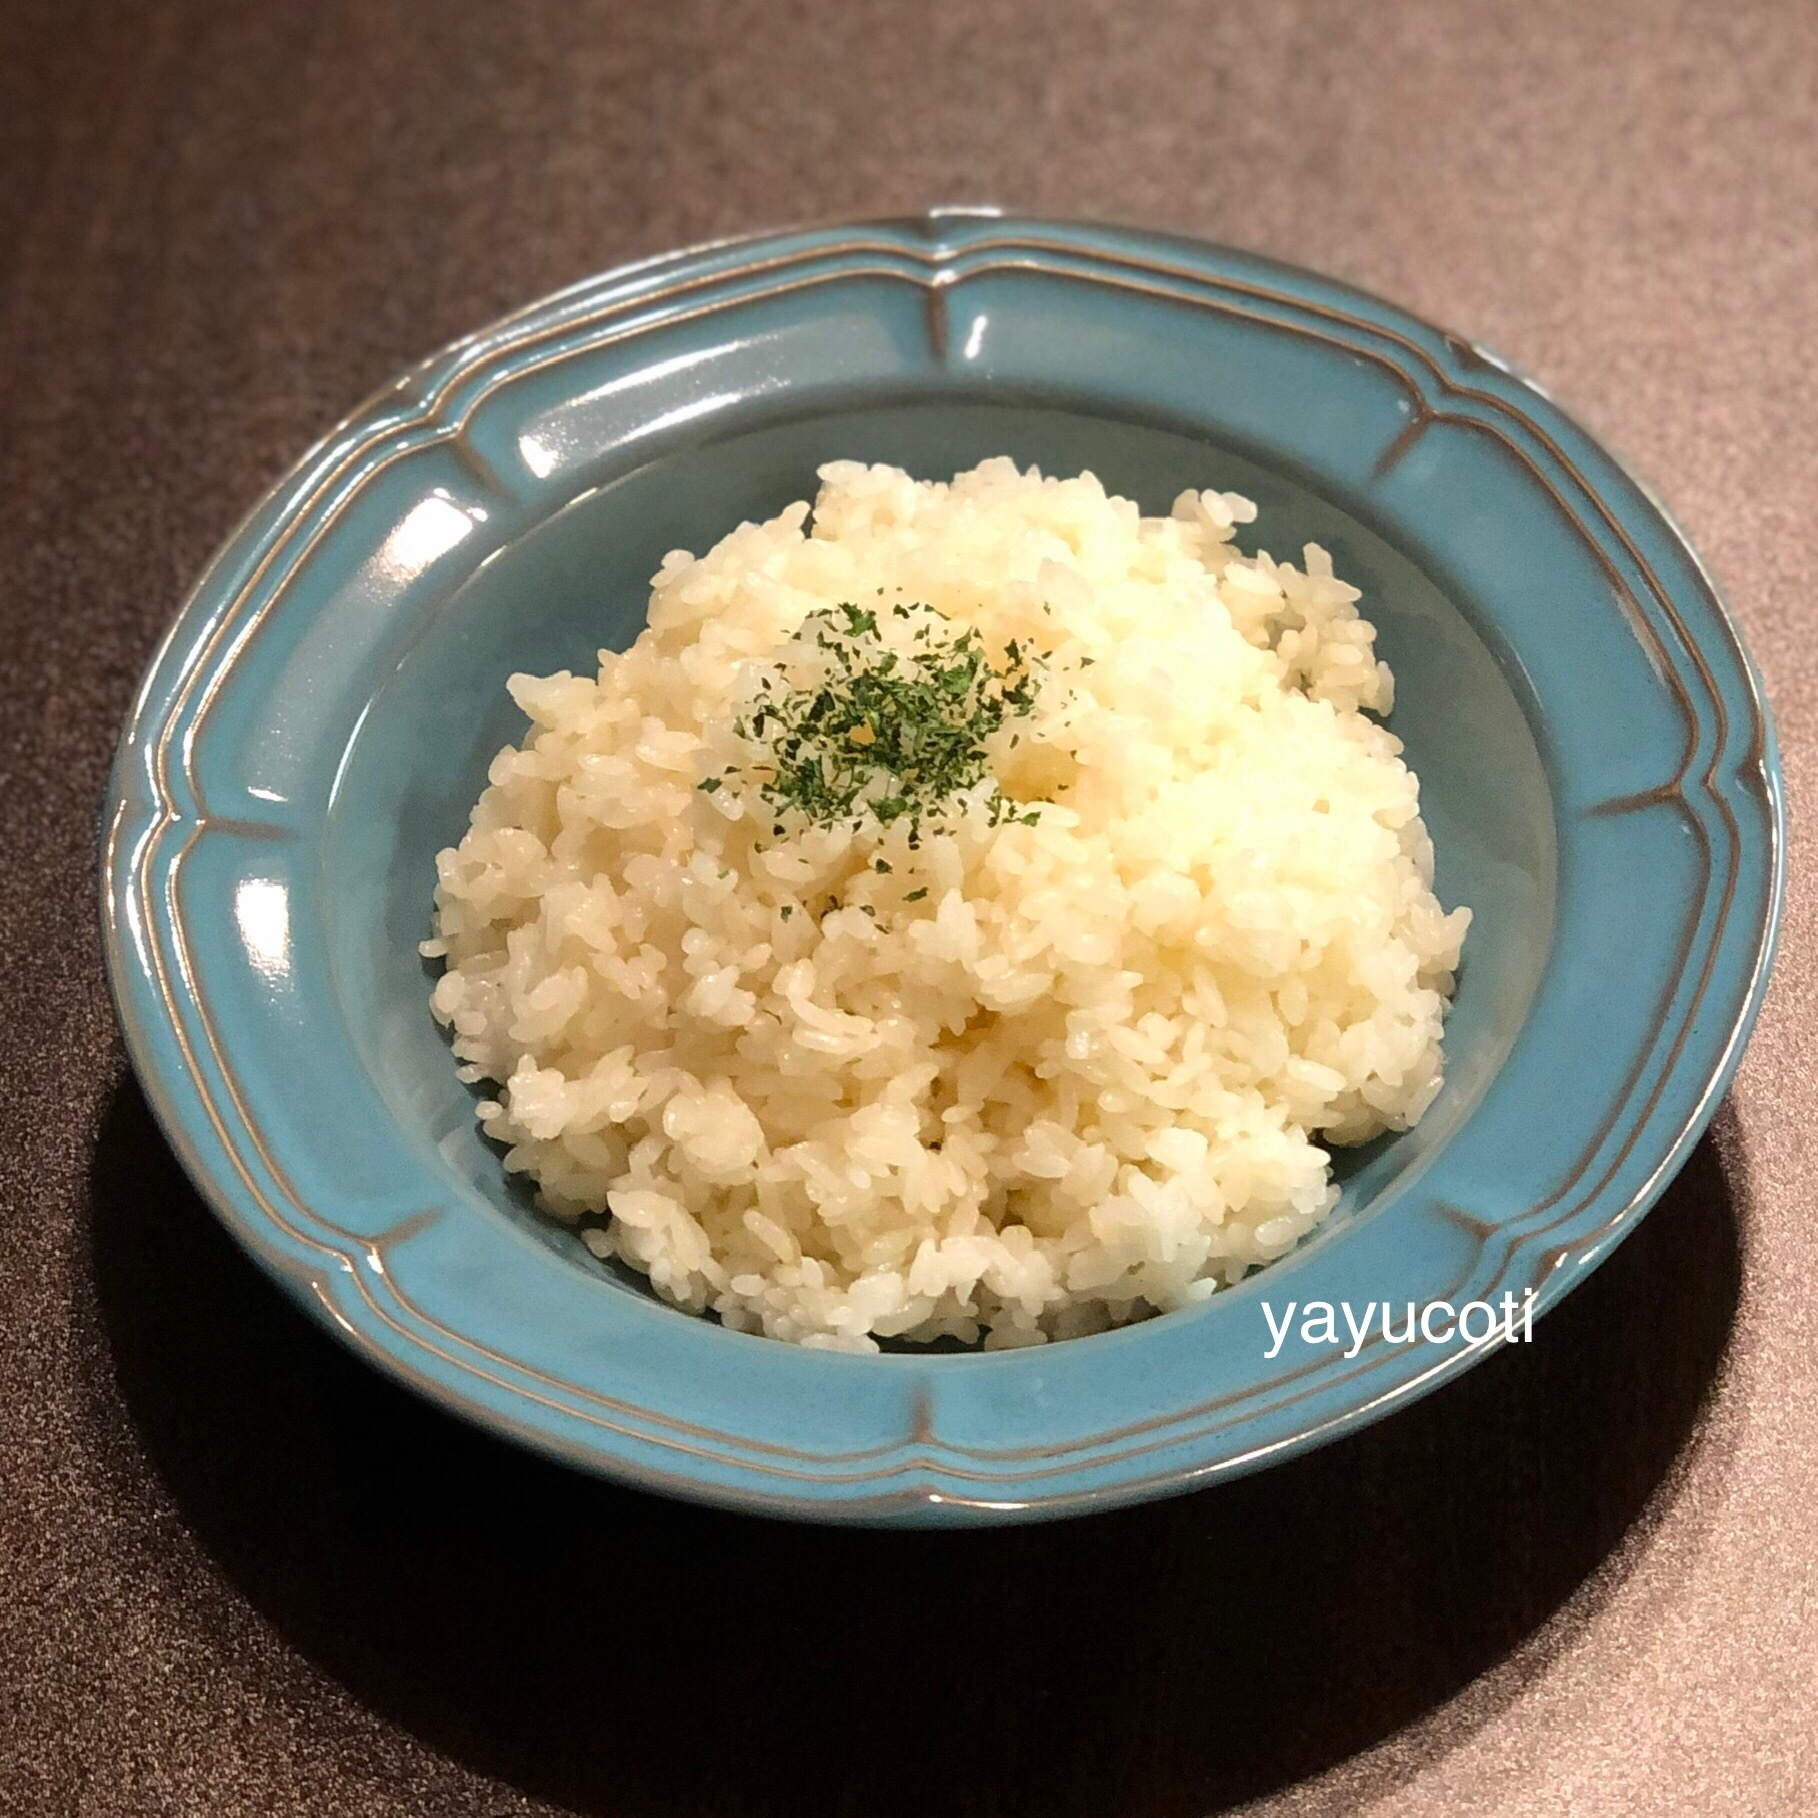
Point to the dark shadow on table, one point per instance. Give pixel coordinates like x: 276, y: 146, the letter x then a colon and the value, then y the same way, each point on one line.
x: 621, y: 1654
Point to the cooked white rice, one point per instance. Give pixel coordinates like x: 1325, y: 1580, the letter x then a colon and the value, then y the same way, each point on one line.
x: 1093, y: 1071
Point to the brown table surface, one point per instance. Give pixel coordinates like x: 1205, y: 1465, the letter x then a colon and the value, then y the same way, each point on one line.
x: 240, y: 1574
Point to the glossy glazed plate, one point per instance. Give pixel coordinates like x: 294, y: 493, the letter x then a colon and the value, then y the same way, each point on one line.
x: 1597, y: 770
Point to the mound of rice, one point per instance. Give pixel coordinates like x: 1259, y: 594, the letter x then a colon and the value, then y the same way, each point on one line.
x: 1032, y: 1079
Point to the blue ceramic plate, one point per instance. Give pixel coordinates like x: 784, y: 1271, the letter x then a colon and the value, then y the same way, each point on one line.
x: 1597, y: 766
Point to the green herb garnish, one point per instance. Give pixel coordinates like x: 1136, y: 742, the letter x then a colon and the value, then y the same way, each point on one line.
x: 863, y: 727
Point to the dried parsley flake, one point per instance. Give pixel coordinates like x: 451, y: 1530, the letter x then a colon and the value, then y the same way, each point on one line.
x: 891, y: 722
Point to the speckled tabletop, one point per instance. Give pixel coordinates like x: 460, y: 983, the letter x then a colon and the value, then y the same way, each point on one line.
x: 239, y: 1574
